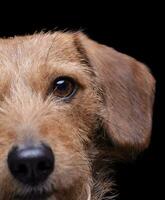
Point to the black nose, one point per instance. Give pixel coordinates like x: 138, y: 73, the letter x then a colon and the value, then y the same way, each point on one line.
x: 31, y: 165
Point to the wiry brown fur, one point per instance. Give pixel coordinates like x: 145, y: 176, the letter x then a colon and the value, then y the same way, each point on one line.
x: 114, y: 102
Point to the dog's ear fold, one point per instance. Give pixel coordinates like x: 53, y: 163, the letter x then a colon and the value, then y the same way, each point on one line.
x: 129, y: 94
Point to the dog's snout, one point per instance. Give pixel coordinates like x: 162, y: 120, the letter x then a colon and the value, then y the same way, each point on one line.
x: 32, y: 165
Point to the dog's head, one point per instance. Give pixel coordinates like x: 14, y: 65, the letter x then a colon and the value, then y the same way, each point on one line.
x: 56, y: 91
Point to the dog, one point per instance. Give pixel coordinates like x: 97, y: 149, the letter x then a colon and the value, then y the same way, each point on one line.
x: 69, y: 107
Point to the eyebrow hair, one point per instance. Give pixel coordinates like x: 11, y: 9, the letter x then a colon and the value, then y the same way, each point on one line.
x: 83, y: 54
x: 49, y: 49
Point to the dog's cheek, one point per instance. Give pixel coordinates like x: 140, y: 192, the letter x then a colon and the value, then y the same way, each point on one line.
x: 71, y: 162
x: 68, y: 136
x: 87, y: 109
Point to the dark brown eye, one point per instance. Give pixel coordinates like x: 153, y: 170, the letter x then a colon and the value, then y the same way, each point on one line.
x: 64, y: 87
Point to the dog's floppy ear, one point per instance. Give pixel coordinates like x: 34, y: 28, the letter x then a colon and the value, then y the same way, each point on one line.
x: 128, y: 91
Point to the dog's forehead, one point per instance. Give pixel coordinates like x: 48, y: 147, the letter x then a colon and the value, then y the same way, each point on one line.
x: 33, y: 51
x: 32, y: 59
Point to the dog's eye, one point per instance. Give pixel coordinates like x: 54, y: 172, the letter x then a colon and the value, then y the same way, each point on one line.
x: 64, y: 87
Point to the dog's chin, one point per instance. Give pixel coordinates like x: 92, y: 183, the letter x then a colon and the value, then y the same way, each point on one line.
x: 35, y: 195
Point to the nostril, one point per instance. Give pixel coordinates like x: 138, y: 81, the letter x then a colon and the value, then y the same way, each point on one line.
x: 31, y: 165
x: 44, y: 166
x: 21, y: 169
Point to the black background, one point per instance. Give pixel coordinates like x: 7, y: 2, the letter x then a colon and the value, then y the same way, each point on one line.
x: 136, y: 30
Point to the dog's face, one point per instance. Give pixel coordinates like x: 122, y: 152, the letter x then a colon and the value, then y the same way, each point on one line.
x: 56, y: 91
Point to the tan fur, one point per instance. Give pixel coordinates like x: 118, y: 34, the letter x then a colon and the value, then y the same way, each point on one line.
x: 115, y: 97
